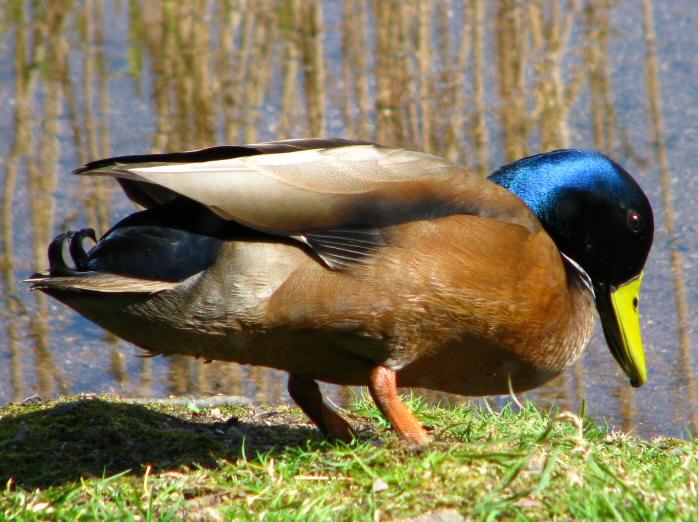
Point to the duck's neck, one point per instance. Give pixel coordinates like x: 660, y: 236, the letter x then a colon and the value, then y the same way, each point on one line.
x: 574, y: 334
x: 557, y: 186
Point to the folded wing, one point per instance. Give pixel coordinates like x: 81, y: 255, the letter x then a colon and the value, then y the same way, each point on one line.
x: 315, y: 190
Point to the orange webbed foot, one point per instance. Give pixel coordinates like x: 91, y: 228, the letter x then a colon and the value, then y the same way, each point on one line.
x: 383, y: 388
x: 306, y: 393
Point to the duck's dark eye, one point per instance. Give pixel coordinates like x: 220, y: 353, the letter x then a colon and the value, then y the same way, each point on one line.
x: 635, y: 222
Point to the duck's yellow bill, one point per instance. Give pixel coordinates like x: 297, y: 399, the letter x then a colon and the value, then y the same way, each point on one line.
x: 625, y: 301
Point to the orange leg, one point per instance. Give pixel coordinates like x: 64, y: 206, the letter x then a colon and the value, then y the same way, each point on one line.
x: 307, y: 395
x: 382, y: 385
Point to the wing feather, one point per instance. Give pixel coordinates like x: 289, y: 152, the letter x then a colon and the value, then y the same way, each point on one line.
x: 292, y: 187
x: 339, y: 248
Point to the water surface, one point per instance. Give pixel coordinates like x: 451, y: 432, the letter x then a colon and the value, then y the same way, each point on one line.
x: 479, y: 82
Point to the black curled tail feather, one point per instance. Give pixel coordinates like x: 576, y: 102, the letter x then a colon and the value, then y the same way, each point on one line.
x: 57, y: 264
x: 76, y: 249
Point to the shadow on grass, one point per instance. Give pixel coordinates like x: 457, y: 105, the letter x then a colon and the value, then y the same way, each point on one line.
x: 49, y: 445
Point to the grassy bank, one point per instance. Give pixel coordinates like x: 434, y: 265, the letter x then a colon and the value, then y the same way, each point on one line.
x: 103, y: 458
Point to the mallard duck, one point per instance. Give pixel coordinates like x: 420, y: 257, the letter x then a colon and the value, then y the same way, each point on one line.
x: 357, y: 264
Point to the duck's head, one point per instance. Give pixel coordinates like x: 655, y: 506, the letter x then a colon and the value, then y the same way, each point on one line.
x: 601, y: 221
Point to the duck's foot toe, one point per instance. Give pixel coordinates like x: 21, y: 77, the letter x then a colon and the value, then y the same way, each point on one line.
x: 335, y: 427
x: 414, y: 441
x: 412, y: 447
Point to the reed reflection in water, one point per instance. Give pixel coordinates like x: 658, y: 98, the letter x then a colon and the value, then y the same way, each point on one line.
x: 482, y: 83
